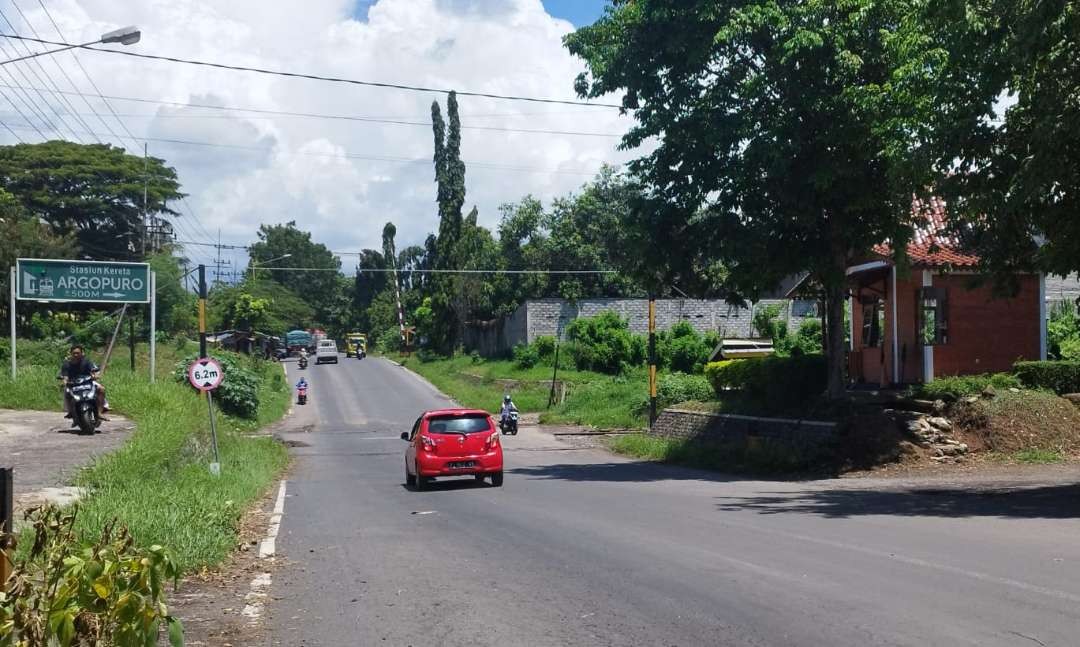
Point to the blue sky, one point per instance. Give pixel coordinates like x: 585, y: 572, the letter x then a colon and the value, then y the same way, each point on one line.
x: 578, y: 12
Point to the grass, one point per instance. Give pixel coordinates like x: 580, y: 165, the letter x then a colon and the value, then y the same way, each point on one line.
x: 595, y: 399
x: 158, y: 483
x: 1038, y: 456
x: 756, y: 458
x: 1028, y: 426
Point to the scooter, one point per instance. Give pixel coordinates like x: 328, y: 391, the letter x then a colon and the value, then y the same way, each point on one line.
x: 83, y: 392
x: 301, y: 395
x: 303, y: 363
x: 509, y: 424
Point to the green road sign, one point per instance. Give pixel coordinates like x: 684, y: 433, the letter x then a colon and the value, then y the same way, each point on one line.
x: 61, y: 280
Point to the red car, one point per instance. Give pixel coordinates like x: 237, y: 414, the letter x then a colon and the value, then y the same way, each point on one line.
x: 453, y: 442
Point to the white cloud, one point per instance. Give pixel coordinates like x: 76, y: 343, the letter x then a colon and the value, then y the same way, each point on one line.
x: 299, y: 169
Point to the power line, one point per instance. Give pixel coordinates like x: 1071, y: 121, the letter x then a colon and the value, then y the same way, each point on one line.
x: 30, y: 64
x: 13, y: 133
x: 315, y: 115
x: 90, y: 79
x: 314, y: 77
x: 23, y: 115
x: 63, y: 99
x: 357, y: 156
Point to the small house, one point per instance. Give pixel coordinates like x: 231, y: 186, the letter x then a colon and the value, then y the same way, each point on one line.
x: 935, y: 318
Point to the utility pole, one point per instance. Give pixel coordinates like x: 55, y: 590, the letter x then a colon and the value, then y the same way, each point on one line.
x: 145, y: 227
x: 202, y: 311
x: 652, y: 360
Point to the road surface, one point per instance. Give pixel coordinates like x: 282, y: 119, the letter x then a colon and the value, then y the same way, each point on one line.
x: 583, y: 548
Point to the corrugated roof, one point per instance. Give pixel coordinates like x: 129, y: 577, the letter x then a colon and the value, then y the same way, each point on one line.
x: 932, y: 245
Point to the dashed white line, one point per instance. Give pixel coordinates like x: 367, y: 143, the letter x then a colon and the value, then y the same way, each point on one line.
x: 255, y: 600
x: 269, y: 545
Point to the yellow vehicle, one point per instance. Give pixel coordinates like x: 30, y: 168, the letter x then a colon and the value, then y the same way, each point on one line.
x: 356, y: 345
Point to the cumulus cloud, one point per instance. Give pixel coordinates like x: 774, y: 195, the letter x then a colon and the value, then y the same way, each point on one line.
x: 340, y: 179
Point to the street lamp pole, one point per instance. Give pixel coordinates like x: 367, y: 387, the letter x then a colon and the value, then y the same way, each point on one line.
x: 124, y: 36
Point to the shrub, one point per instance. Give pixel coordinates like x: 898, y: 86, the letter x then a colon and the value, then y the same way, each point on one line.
x: 48, y: 353
x: 544, y: 345
x: 682, y: 349
x: 807, y: 340
x: 786, y: 380
x: 603, y: 343
x: 954, y: 388
x: 526, y: 356
x: 1069, y: 349
x: 1063, y: 331
x: 1057, y: 376
x: 673, y: 388
x: 389, y: 341
x: 67, y: 592
x: 239, y: 390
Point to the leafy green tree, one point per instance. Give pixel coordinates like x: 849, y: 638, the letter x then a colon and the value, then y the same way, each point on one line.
x: 367, y: 285
x: 450, y: 196
x: 177, y: 307
x: 1013, y: 181
x: 317, y: 283
x: 94, y: 191
x: 285, y: 310
x: 783, y: 136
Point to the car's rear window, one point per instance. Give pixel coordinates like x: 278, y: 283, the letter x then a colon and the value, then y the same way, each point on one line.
x: 327, y: 344
x: 458, y: 424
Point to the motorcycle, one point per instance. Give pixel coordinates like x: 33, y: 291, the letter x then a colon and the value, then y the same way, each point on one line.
x: 509, y: 423
x: 83, y: 392
x: 303, y: 363
x: 301, y: 395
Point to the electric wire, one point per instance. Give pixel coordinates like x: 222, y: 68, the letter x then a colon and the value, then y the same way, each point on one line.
x: 315, y: 77
x: 30, y: 64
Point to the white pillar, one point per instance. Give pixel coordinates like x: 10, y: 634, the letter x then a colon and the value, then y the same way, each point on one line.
x: 928, y: 349
x: 1042, y: 316
x: 153, y: 325
x: 895, y: 341
x: 14, y: 276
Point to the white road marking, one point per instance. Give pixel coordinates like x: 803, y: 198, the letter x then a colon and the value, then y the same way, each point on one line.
x: 269, y: 545
x: 255, y: 599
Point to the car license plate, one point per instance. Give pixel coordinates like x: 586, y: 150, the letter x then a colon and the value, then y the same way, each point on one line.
x: 460, y: 465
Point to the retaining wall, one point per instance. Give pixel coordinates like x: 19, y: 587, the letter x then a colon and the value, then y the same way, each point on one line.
x: 726, y: 429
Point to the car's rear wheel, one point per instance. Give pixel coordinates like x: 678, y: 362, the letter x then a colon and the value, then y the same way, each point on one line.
x: 422, y: 481
x: 497, y: 479
x: 410, y: 479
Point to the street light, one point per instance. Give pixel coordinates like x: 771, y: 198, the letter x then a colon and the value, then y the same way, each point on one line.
x: 255, y: 264
x: 124, y: 36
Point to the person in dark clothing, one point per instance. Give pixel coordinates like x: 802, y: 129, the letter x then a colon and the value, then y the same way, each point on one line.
x: 78, y: 365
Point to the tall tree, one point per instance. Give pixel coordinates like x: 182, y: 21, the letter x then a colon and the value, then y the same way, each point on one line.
x: 315, y: 280
x: 450, y: 195
x: 368, y: 285
x: 783, y: 140
x: 1013, y: 177
x: 94, y: 191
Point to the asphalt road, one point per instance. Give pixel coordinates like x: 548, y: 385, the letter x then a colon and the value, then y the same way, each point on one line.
x: 583, y: 548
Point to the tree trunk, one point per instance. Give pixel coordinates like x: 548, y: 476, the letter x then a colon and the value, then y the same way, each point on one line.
x: 835, y: 356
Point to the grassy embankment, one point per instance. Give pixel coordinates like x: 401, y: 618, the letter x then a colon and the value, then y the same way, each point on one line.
x: 158, y: 483
x: 595, y: 399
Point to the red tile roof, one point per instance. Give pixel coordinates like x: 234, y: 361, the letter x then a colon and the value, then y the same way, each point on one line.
x: 932, y: 245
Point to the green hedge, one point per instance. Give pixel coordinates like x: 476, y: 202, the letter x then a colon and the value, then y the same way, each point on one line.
x: 781, y: 379
x: 1060, y: 376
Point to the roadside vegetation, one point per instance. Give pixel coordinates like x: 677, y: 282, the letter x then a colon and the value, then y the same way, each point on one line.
x: 158, y: 484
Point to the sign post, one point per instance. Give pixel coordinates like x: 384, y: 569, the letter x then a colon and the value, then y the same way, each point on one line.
x: 205, y: 374
x: 66, y: 281
x: 7, y: 540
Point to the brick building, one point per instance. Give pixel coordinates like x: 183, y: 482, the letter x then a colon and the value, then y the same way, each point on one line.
x: 935, y: 319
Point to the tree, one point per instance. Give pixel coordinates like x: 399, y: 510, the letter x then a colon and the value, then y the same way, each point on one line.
x: 230, y: 307
x: 25, y: 237
x: 450, y: 196
x: 1013, y: 181
x: 176, y: 306
x: 367, y: 285
x: 783, y: 138
x: 317, y: 283
x: 94, y: 191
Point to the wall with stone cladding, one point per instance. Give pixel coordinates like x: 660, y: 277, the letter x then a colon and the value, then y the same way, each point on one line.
x: 725, y: 429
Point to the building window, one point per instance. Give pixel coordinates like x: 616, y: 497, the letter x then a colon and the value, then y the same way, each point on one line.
x: 873, y: 321
x: 933, y: 324
x: 804, y: 308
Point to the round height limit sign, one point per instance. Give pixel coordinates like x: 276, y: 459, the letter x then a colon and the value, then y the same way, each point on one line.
x: 205, y: 374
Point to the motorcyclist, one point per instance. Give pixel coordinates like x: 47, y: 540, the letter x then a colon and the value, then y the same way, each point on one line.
x: 76, y: 366
x: 508, y: 406
x: 302, y: 384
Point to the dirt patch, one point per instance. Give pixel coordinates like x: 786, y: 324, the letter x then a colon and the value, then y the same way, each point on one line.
x: 1013, y: 422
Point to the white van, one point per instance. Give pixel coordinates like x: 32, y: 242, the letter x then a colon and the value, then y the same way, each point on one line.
x: 326, y: 351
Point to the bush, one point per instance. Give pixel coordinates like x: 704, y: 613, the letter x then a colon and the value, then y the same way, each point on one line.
x: 48, y: 353
x: 68, y: 592
x: 954, y: 388
x: 603, y: 344
x: 544, y: 345
x: 1063, y: 332
x: 673, y: 388
x: 239, y: 390
x: 786, y: 380
x: 807, y: 340
x: 526, y: 356
x: 682, y: 349
x: 1059, y: 376
x: 389, y: 341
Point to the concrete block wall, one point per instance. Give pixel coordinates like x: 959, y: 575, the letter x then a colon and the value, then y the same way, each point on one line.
x: 724, y: 429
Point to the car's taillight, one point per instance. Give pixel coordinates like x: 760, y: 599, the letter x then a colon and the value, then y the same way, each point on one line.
x: 429, y: 444
x: 492, y: 441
